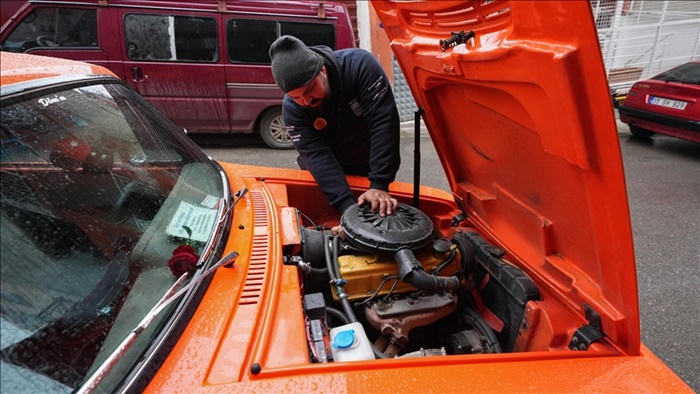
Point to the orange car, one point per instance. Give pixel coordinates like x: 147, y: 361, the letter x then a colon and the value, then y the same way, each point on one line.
x: 131, y: 261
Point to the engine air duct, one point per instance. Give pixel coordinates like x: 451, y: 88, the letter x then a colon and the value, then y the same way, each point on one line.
x: 399, y: 234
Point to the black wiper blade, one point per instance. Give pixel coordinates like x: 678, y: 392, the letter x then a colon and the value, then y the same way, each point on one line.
x: 239, y: 195
x: 171, y: 295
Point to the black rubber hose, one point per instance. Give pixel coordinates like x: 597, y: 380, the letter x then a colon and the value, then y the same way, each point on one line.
x: 445, y: 263
x: 318, y: 271
x: 334, y: 252
x: 334, y: 272
x: 338, y: 315
x: 329, y: 260
x: 312, y: 247
x: 335, y: 278
x: 412, y: 272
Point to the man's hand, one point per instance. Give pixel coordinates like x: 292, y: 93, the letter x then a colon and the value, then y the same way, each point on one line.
x: 380, y: 200
x: 338, y: 230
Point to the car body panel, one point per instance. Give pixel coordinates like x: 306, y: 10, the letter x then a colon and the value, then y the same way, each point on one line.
x: 244, y: 334
x: 542, y: 174
x: 16, y: 71
x: 681, y: 122
x: 9, y: 8
x: 563, y: 375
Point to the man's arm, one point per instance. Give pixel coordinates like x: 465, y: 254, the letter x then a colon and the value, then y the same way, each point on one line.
x: 377, y: 100
x: 317, y: 157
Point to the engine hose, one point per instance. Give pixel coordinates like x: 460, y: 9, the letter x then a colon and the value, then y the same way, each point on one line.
x: 336, y: 280
x: 338, y: 315
x: 445, y: 263
x: 376, y: 292
x: 317, y: 271
x: 411, y: 271
x: 334, y: 272
x: 334, y: 252
x: 329, y: 260
x: 327, y: 257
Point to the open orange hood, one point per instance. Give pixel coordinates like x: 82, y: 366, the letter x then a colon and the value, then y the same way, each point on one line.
x: 521, y: 118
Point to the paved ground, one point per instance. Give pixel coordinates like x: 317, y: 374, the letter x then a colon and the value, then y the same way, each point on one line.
x: 663, y: 182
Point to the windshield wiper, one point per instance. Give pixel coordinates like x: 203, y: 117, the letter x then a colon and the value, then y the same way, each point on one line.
x: 239, y: 195
x: 171, y: 295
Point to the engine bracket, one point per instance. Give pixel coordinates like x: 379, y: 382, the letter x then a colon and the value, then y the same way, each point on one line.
x: 412, y: 306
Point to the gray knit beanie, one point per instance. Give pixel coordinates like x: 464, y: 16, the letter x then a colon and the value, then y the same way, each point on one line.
x: 293, y: 63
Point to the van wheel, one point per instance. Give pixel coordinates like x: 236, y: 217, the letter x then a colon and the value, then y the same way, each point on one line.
x: 640, y: 132
x: 273, y: 130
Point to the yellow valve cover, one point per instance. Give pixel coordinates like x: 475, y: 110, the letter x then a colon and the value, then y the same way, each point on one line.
x: 365, y: 274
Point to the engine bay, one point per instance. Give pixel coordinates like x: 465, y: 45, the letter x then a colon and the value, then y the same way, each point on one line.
x: 393, y: 287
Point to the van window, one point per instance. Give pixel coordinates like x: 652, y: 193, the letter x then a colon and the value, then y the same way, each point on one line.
x: 249, y: 40
x: 171, y: 38
x: 54, y: 27
x: 310, y: 33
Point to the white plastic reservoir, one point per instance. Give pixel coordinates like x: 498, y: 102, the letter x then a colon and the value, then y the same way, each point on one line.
x: 350, y: 343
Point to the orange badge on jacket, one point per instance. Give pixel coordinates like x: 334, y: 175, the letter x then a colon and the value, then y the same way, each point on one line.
x: 320, y: 124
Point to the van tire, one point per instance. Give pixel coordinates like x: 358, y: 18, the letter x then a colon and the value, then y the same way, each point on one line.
x: 273, y: 130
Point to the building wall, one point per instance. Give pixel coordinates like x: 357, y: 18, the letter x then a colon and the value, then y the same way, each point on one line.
x: 373, y: 39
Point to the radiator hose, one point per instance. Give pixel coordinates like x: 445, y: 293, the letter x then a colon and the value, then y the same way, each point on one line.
x: 412, y: 272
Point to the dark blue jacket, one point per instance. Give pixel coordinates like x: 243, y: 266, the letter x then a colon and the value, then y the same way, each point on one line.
x: 357, y: 134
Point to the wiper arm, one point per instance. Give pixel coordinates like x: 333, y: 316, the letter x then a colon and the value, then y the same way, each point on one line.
x: 171, y: 295
x: 239, y: 195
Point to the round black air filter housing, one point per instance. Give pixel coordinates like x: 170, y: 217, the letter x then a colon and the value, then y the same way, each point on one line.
x: 407, y: 227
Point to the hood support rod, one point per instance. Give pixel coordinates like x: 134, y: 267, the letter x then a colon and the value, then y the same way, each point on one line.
x: 416, y: 156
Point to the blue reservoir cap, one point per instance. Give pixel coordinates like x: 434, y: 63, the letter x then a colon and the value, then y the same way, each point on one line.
x: 344, y: 339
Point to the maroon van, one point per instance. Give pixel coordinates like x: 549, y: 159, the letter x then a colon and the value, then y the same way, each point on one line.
x: 204, y: 64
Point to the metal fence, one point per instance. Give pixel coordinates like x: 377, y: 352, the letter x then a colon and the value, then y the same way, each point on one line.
x: 641, y: 38
x: 638, y: 39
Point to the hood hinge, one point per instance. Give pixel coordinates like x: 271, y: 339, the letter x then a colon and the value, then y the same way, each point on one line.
x: 458, y: 218
x: 584, y: 336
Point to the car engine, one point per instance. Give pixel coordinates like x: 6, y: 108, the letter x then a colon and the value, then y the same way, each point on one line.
x: 393, y: 288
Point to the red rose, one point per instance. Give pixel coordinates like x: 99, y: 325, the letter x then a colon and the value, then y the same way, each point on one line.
x: 184, y: 260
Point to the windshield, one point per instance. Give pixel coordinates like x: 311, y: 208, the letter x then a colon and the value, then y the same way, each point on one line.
x: 98, y: 190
